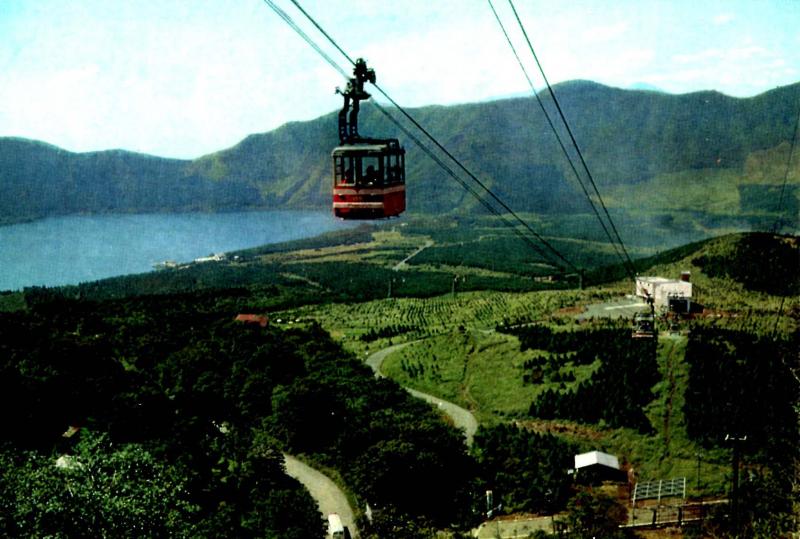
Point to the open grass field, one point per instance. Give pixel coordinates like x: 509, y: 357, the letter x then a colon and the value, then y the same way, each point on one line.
x: 456, y: 354
x: 416, y: 318
x: 462, y: 346
x: 483, y: 371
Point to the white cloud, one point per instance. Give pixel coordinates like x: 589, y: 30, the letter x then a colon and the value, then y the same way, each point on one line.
x: 181, y: 80
x: 717, y: 55
x: 723, y: 18
x: 431, y: 66
x: 738, y: 71
x: 606, y: 33
x: 701, y: 56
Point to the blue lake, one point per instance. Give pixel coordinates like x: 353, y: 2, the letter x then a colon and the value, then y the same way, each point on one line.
x: 74, y: 249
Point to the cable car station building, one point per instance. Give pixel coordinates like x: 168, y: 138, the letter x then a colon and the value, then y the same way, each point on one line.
x: 666, y: 293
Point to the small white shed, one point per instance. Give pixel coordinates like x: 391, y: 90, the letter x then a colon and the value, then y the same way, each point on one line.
x: 596, y: 466
x: 596, y: 458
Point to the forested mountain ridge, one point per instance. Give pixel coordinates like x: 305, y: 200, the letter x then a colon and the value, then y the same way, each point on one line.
x: 725, y: 155
x: 39, y: 180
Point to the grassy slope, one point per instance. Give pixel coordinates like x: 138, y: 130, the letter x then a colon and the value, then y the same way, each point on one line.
x: 483, y: 372
x: 439, y: 315
x: 715, y: 190
x: 463, y: 360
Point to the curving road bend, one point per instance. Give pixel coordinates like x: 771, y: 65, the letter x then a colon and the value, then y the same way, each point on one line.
x: 328, y: 496
x: 462, y: 418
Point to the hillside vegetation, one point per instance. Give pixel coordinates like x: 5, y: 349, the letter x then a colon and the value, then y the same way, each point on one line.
x: 702, y: 157
x: 154, y: 369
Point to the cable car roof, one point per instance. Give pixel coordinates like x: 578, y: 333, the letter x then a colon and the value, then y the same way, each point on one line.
x: 389, y: 146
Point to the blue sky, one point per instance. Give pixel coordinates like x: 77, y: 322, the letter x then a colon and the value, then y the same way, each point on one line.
x: 183, y: 78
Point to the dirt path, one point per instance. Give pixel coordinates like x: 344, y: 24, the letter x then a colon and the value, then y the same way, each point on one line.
x: 669, y: 365
x: 462, y: 418
x: 402, y: 264
x: 552, y: 426
x: 329, y: 497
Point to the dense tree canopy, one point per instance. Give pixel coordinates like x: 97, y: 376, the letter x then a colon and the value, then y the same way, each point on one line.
x: 526, y: 471
x: 205, y: 405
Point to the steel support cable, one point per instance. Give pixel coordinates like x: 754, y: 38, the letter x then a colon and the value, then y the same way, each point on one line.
x: 439, y: 145
x: 322, y: 30
x: 558, y: 137
x: 630, y: 266
x: 474, y: 178
x: 786, y: 174
x: 287, y: 18
x: 775, y: 228
x: 466, y: 186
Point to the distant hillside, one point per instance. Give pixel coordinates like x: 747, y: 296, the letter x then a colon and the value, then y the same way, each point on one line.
x: 752, y: 262
x: 701, y: 152
x: 39, y: 180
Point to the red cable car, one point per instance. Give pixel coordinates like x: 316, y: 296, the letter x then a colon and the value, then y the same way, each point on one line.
x: 368, y: 174
x: 369, y: 180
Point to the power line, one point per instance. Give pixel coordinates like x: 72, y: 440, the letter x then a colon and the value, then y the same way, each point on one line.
x: 558, y: 137
x: 631, y: 267
x: 433, y: 139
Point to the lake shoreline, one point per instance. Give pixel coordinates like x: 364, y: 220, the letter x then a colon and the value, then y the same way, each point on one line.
x: 68, y: 250
x: 254, y: 209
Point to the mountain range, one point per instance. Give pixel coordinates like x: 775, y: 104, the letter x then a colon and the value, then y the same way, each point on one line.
x: 703, y: 152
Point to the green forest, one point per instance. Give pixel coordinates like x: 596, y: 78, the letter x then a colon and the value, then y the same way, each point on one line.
x: 170, y: 392
x: 141, y: 407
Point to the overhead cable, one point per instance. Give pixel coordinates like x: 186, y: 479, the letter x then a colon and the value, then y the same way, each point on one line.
x: 558, y: 137
x: 776, y: 226
x: 430, y: 137
x: 631, y: 267
x: 463, y: 184
x: 288, y: 20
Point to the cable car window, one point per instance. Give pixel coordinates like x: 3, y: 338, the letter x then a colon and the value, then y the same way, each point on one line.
x: 343, y: 170
x: 394, y: 169
x: 371, y: 171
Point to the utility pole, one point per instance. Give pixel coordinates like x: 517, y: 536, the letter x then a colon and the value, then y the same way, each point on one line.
x: 698, y: 454
x: 736, y: 441
x: 456, y: 278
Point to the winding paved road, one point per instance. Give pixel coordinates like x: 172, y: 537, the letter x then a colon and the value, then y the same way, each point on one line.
x: 462, y: 418
x: 329, y: 497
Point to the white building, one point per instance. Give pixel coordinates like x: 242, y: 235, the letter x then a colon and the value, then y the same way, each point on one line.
x: 596, y: 466
x: 661, y: 290
x: 594, y: 458
x: 217, y: 257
